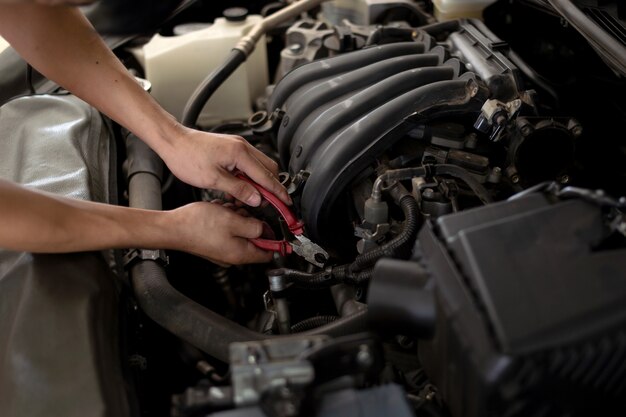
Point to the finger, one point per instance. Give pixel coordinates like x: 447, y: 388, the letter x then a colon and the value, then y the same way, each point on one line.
x: 242, y: 212
x: 243, y: 251
x: 256, y: 255
x: 262, y: 176
x: 239, y: 189
x: 268, y: 162
x: 246, y: 227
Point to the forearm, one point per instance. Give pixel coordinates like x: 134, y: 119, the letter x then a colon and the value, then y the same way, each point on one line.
x: 60, y: 43
x: 37, y: 222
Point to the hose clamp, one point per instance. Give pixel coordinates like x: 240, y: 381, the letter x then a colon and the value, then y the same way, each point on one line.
x: 136, y: 255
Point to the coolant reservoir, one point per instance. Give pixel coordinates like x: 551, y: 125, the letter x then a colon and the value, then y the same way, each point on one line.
x: 457, y: 9
x: 176, y: 65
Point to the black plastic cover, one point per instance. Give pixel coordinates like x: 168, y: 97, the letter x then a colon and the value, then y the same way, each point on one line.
x: 530, y: 311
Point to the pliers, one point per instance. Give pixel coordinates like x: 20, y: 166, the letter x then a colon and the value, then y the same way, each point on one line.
x: 301, y: 246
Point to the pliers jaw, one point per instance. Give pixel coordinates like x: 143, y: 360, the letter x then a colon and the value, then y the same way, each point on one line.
x: 302, y: 246
x: 310, y: 251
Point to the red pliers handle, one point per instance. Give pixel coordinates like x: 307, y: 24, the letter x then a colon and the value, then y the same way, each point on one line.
x: 281, y: 246
x: 295, y: 226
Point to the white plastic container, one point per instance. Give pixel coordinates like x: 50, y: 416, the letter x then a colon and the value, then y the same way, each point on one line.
x: 3, y: 44
x: 457, y: 9
x: 176, y: 65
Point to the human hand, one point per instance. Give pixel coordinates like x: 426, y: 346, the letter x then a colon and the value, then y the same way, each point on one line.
x: 208, y: 160
x: 216, y: 233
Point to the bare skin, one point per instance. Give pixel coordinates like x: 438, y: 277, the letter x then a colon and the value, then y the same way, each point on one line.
x: 61, y: 44
x: 40, y: 222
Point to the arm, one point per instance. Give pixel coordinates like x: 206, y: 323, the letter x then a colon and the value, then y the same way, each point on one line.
x: 38, y: 222
x: 63, y: 46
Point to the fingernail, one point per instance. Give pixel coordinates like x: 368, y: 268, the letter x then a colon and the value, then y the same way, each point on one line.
x: 254, y: 200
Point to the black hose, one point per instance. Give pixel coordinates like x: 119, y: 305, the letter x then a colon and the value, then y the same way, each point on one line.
x: 183, y: 317
x: 205, y: 90
x: 312, y: 323
x: 202, y: 327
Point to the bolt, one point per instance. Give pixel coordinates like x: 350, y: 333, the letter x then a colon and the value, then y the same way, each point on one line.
x: 428, y: 194
x: 514, y: 178
x: 295, y: 48
x: 564, y: 179
x: 471, y: 141
x: 364, y: 357
x: 524, y: 126
x: 320, y: 258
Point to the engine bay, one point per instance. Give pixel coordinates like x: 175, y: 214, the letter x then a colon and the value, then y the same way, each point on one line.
x: 463, y: 172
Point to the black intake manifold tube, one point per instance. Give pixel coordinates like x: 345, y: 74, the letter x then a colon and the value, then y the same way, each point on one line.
x: 175, y: 312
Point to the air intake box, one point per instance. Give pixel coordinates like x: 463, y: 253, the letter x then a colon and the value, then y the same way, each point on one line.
x: 531, y: 311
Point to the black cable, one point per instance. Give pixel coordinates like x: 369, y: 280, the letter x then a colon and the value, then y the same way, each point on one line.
x: 312, y: 323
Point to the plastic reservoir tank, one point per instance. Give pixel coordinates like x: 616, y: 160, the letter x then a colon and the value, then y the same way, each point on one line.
x: 176, y: 65
x: 456, y: 9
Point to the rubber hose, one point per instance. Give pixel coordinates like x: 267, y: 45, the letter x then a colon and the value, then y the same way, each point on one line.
x: 312, y: 323
x: 202, y: 327
x: 205, y: 90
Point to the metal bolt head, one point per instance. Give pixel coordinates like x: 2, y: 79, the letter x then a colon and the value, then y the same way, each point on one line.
x: 364, y: 357
x: 515, y: 178
x: 428, y: 194
x: 564, y: 179
x: 295, y: 48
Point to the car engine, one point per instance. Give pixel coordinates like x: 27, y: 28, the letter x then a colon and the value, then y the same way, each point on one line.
x: 461, y: 164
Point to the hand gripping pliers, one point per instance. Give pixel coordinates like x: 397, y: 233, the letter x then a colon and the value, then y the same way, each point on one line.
x: 301, y: 246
